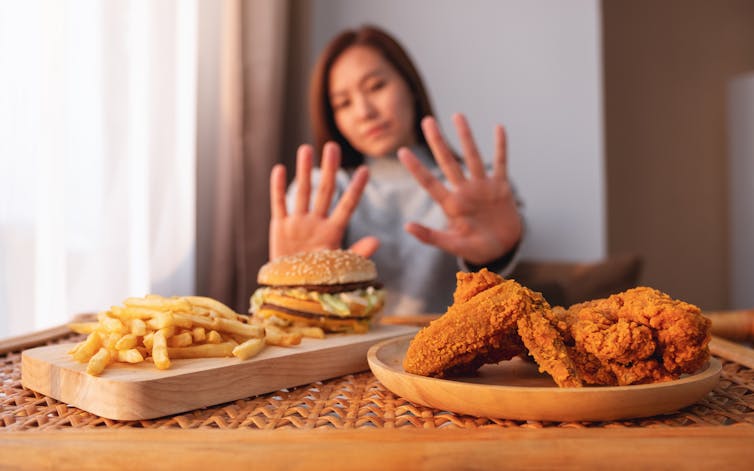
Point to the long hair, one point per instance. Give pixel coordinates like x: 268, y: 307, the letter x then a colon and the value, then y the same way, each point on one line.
x: 320, y: 110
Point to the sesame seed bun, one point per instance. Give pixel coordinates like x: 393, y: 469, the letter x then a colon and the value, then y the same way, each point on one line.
x: 323, y: 267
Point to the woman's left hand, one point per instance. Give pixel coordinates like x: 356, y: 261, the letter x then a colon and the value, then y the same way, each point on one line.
x: 483, y: 219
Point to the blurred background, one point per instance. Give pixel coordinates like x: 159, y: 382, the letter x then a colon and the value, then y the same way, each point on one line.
x: 129, y: 127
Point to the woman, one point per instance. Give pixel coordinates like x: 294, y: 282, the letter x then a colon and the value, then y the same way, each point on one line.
x: 368, y: 106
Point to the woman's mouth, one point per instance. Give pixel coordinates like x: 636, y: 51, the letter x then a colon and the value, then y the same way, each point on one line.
x: 376, y: 131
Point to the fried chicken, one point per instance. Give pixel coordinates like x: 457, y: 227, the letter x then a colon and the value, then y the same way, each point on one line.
x: 548, y: 349
x: 484, y: 325
x: 639, y: 336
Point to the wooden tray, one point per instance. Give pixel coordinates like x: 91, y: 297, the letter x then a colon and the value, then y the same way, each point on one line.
x: 133, y: 392
x: 516, y: 390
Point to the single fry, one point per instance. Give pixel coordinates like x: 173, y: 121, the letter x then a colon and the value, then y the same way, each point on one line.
x: 224, y: 325
x: 248, y: 348
x: 148, y: 341
x: 138, y: 327
x: 98, y: 362
x: 199, y: 334
x: 159, y: 303
x: 83, y: 327
x: 111, y: 324
x: 182, y: 322
x: 160, y: 351
x: 206, y: 350
x: 160, y: 321
x: 212, y: 305
x: 110, y: 339
x: 88, y: 348
x: 214, y: 337
x: 133, y: 312
x: 126, y: 342
x: 183, y: 339
x: 130, y: 356
x: 168, y: 331
x: 277, y: 336
x: 306, y: 331
x: 75, y: 348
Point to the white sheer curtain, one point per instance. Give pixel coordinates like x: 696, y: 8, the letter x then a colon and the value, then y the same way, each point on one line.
x: 97, y: 155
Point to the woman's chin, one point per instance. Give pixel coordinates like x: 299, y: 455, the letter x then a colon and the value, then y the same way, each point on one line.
x: 385, y: 150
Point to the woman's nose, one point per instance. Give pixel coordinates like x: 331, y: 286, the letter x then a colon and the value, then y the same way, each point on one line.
x: 365, y: 108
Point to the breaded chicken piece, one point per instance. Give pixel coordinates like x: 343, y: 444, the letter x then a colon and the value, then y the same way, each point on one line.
x: 487, y: 323
x: 546, y: 345
x: 474, y: 331
x: 639, y: 336
x: 469, y: 285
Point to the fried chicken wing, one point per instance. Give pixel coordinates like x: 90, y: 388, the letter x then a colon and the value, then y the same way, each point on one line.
x: 546, y: 346
x: 491, y: 320
x: 478, y: 328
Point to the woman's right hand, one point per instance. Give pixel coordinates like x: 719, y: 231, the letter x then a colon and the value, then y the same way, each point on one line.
x: 306, y: 229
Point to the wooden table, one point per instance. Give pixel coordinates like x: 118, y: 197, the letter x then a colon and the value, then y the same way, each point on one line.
x: 355, y: 423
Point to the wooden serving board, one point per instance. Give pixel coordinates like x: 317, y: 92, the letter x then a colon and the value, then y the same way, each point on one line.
x: 141, y: 391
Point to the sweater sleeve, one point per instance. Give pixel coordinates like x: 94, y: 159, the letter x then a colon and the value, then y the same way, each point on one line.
x: 503, y: 266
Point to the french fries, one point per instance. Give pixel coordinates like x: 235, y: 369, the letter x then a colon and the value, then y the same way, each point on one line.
x: 160, y: 329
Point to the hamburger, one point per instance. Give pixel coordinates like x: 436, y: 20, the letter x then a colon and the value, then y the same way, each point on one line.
x: 336, y: 290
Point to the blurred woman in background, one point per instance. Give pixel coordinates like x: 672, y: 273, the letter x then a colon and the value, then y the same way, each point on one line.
x: 389, y: 187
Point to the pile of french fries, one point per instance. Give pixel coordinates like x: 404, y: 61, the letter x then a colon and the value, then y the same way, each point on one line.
x: 159, y: 329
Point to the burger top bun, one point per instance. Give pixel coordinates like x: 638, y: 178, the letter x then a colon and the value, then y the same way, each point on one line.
x: 323, y: 267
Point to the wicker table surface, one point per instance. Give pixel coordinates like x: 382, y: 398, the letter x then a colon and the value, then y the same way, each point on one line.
x: 328, y: 417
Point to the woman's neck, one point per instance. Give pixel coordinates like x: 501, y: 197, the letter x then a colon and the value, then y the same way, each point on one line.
x: 421, y: 151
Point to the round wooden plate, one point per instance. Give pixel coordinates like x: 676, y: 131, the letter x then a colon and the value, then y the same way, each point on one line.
x: 516, y: 390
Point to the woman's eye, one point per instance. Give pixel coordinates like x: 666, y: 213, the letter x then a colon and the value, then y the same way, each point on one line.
x: 337, y: 105
x: 376, y: 85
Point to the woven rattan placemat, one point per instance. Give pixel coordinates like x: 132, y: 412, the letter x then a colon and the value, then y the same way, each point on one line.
x: 353, y: 401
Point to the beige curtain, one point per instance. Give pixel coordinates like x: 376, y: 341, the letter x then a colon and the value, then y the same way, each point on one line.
x: 252, y: 63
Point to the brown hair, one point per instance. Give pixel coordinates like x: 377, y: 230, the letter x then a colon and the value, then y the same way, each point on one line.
x: 320, y: 110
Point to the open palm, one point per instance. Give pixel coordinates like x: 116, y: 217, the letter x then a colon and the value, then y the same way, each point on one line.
x: 305, y: 228
x: 483, y: 219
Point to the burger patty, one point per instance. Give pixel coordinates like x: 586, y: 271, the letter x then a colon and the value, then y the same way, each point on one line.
x: 332, y: 288
x: 308, y: 315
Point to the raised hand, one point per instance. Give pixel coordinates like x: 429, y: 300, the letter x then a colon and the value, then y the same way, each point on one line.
x: 483, y: 220
x: 306, y: 229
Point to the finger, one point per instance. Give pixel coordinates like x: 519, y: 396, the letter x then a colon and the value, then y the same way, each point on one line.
x: 500, y: 169
x: 330, y: 164
x: 470, y: 151
x: 366, y: 246
x: 443, y: 155
x: 423, y: 176
x: 303, y: 179
x: 430, y: 236
x: 277, y: 192
x: 350, y: 199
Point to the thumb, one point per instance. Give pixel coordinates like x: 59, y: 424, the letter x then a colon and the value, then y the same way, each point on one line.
x: 366, y: 246
x: 429, y: 236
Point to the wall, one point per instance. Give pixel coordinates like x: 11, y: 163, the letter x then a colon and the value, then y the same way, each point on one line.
x: 667, y: 65
x: 741, y: 190
x: 533, y: 66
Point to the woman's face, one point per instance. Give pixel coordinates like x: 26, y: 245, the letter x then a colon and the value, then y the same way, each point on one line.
x: 372, y: 104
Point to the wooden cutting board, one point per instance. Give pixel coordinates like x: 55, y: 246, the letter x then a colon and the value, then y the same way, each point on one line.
x: 141, y: 391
